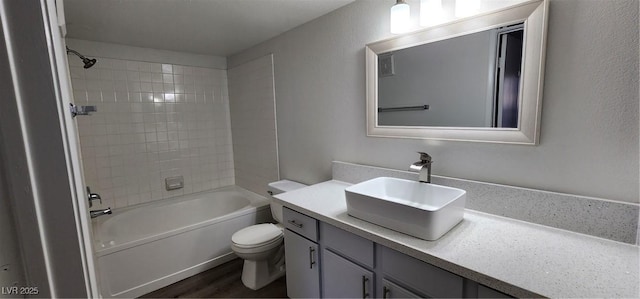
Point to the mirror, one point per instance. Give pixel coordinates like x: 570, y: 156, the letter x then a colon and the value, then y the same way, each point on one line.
x: 476, y: 79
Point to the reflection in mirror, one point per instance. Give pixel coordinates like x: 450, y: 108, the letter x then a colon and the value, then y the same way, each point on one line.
x: 470, y: 80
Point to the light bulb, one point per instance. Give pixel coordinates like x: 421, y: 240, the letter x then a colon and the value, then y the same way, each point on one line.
x: 465, y: 8
x: 431, y: 12
x: 400, y: 17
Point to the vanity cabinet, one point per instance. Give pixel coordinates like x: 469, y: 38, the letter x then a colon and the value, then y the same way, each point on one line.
x: 325, y: 261
x: 301, y: 255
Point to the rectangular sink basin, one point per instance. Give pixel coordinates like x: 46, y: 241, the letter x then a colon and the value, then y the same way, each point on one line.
x: 422, y: 210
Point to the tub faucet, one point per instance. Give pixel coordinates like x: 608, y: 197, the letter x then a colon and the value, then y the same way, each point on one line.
x: 93, y: 196
x: 423, y: 167
x: 96, y: 213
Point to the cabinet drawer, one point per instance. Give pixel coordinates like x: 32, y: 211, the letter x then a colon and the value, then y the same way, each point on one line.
x: 354, y: 247
x: 301, y: 224
x: 430, y: 280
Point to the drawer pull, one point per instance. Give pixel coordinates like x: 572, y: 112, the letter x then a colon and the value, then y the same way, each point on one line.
x: 365, y: 294
x: 294, y: 223
x: 385, y: 292
x: 312, y: 260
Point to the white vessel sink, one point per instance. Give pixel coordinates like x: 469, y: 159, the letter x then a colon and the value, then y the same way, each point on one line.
x: 422, y: 210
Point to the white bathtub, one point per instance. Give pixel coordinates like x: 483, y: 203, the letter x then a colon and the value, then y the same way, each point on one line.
x: 150, y: 246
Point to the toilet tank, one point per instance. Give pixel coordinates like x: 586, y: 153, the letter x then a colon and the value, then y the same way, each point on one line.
x: 277, y: 188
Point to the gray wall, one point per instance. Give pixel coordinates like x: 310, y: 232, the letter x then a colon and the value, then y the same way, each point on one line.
x: 253, y: 124
x: 589, y: 135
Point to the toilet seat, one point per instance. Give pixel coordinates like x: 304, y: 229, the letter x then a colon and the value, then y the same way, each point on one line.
x: 261, y: 235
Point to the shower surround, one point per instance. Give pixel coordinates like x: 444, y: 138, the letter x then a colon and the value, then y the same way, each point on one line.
x: 154, y: 120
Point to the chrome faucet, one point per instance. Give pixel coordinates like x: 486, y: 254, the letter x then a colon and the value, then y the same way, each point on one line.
x: 423, y: 167
x: 96, y: 213
x: 93, y: 196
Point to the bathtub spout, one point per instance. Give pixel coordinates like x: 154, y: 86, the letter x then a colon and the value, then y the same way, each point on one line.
x: 96, y: 213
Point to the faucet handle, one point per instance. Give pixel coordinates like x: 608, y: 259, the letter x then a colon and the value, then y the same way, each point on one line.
x: 92, y: 196
x: 425, y: 157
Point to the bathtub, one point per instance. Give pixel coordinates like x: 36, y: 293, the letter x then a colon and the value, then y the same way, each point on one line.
x: 146, y: 247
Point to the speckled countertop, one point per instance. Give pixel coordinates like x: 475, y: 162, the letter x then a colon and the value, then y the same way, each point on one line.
x: 516, y: 257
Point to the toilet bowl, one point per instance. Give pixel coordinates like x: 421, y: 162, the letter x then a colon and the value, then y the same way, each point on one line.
x: 262, y: 245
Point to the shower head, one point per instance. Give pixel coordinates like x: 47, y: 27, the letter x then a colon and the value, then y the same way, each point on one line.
x: 87, y: 62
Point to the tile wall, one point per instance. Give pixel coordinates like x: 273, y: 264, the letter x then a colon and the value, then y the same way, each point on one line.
x: 253, y: 116
x: 154, y: 121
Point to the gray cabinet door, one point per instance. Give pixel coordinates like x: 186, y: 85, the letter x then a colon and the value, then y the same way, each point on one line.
x: 303, y: 275
x: 344, y: 279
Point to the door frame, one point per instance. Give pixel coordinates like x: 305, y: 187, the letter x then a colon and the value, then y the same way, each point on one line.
x: 53, y: 11
x: 38, y: 166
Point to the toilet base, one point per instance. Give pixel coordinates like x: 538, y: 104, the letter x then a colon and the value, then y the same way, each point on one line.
x: 257, y: 274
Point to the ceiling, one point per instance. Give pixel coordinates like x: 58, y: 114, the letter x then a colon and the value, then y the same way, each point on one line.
x: 210, y: 27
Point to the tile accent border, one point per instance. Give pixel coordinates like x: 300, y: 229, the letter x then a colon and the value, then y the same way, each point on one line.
x: 602, y: 218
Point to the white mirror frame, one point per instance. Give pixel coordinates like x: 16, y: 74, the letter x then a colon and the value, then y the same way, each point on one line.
x: 534, y: 15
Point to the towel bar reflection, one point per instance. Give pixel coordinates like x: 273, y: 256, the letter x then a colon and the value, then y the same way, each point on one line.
x: 405, y: 108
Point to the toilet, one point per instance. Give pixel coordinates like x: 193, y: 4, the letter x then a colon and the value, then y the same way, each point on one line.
x: 261, y: 245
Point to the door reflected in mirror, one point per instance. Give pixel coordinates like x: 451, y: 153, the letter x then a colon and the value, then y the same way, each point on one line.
x: 471, y: 80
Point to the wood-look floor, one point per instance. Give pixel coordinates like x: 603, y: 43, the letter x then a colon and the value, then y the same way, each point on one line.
x: 223, y: 281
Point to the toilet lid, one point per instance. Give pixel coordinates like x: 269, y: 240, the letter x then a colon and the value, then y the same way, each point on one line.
x: 256, y: 235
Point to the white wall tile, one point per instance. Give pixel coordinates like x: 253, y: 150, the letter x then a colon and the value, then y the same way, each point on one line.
x: 147, y: 129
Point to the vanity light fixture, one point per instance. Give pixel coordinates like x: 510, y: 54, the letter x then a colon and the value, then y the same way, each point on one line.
x: 431, y: 12
x: 400, y: 17
x: 465, y: 8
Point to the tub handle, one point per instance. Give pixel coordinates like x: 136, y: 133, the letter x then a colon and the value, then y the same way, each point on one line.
x: 312, y: 260
x: 294, y: 223
x: 92, y: 196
